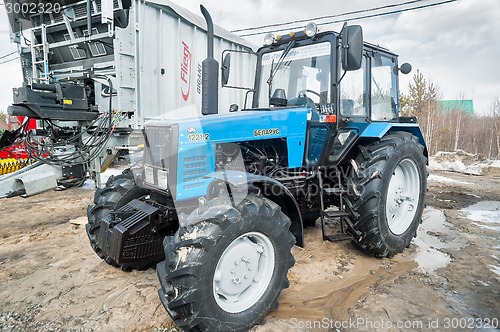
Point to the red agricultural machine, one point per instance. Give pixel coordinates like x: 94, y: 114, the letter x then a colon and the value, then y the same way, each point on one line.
x: 13, y: 155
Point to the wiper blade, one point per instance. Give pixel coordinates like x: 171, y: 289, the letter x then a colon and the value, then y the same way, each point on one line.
x: 274, y: 69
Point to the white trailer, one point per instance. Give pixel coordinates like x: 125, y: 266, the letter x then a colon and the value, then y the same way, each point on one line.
x: 170, y: 47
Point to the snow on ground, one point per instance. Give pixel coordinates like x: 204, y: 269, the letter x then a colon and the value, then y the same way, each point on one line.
x: 443, y: 179
x: 462, y: 162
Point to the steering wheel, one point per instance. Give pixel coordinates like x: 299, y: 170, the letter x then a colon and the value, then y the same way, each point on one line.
x: 321, y: 98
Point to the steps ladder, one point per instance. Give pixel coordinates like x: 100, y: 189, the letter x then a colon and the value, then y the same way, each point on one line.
x: 35, y: 50
x: 341, y: 213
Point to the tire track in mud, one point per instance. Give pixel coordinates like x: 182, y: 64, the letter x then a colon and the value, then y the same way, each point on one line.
x: 452, y: 282
x: 462, y: 289
x: 329, y: 280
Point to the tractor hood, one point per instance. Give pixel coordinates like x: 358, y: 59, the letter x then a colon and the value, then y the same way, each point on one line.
x: 248, y: 125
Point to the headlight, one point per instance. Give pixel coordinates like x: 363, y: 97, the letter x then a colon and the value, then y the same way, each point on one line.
x: 162, y: 179
x: 268, y: 39
x: 148, y: 175
x: 311, y: 29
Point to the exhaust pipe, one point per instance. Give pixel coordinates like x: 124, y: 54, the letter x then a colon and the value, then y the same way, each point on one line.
x: 210, y: 72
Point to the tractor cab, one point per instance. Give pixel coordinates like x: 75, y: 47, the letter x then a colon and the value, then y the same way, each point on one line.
x: 345, y: 83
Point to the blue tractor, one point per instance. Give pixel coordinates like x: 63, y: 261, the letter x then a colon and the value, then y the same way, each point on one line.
x: 220, y: 200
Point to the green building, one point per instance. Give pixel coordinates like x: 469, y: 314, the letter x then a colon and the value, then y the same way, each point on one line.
x: 466, y: 106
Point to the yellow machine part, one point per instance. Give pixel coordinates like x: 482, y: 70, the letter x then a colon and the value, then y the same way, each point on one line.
x: 10, y: 165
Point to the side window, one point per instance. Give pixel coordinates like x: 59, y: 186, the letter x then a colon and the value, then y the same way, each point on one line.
x: 383, y: 88
x: 352, y: 92
x: 317, y: 136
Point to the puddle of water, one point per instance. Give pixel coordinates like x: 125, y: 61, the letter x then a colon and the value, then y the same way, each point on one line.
x: 486, y: 215
x: 486, y: 211
x: 491, y: 228
x: 334, y: 298
x: 429, y: 256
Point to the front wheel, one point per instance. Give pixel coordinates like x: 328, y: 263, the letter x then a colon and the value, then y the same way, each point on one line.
x: 387, y: 185
x: 226, y: 272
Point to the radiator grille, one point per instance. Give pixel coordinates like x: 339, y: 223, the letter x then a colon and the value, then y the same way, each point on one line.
x: 194, y: 170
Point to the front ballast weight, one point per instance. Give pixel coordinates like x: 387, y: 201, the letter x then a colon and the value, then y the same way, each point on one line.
x: 121, y: 224
x: 127, y: 237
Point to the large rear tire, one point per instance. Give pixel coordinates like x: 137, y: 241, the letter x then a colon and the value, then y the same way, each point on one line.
x: 226, y: 272
x: 118, y: 191
x: 387, y: 189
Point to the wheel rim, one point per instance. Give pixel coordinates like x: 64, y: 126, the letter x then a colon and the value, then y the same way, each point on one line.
x: 244, y: 272
x: 402, y: 196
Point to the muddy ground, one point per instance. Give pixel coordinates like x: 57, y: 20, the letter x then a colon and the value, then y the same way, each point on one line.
x: 448, y: 279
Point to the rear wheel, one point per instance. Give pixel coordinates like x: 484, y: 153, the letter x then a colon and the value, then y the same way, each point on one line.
x: 226, y: 272
x: 387, y: 191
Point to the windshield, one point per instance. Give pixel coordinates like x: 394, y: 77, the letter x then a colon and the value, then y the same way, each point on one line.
x: 303, y: 72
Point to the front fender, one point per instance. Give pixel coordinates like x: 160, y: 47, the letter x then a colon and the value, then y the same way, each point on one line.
x: 241, y: 183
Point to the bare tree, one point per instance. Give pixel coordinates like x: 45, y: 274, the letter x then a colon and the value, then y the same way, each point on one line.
x: 449, y: 130
x: 495, y: 113
x: 459, y: 114
x: 422, y: 102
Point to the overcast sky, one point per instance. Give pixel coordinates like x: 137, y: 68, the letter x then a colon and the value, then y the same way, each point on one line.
x: 455, y: 45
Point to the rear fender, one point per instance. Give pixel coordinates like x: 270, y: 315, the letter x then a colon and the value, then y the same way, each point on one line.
x: 380, y: 129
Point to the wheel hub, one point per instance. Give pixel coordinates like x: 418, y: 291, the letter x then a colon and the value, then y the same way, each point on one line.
x: 243, y: 272
x: 402, y: 195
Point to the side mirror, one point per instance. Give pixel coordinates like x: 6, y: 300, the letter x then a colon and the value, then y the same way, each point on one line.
x: 352, y: 47
x: 226, y: 67
x: 405, y: 68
